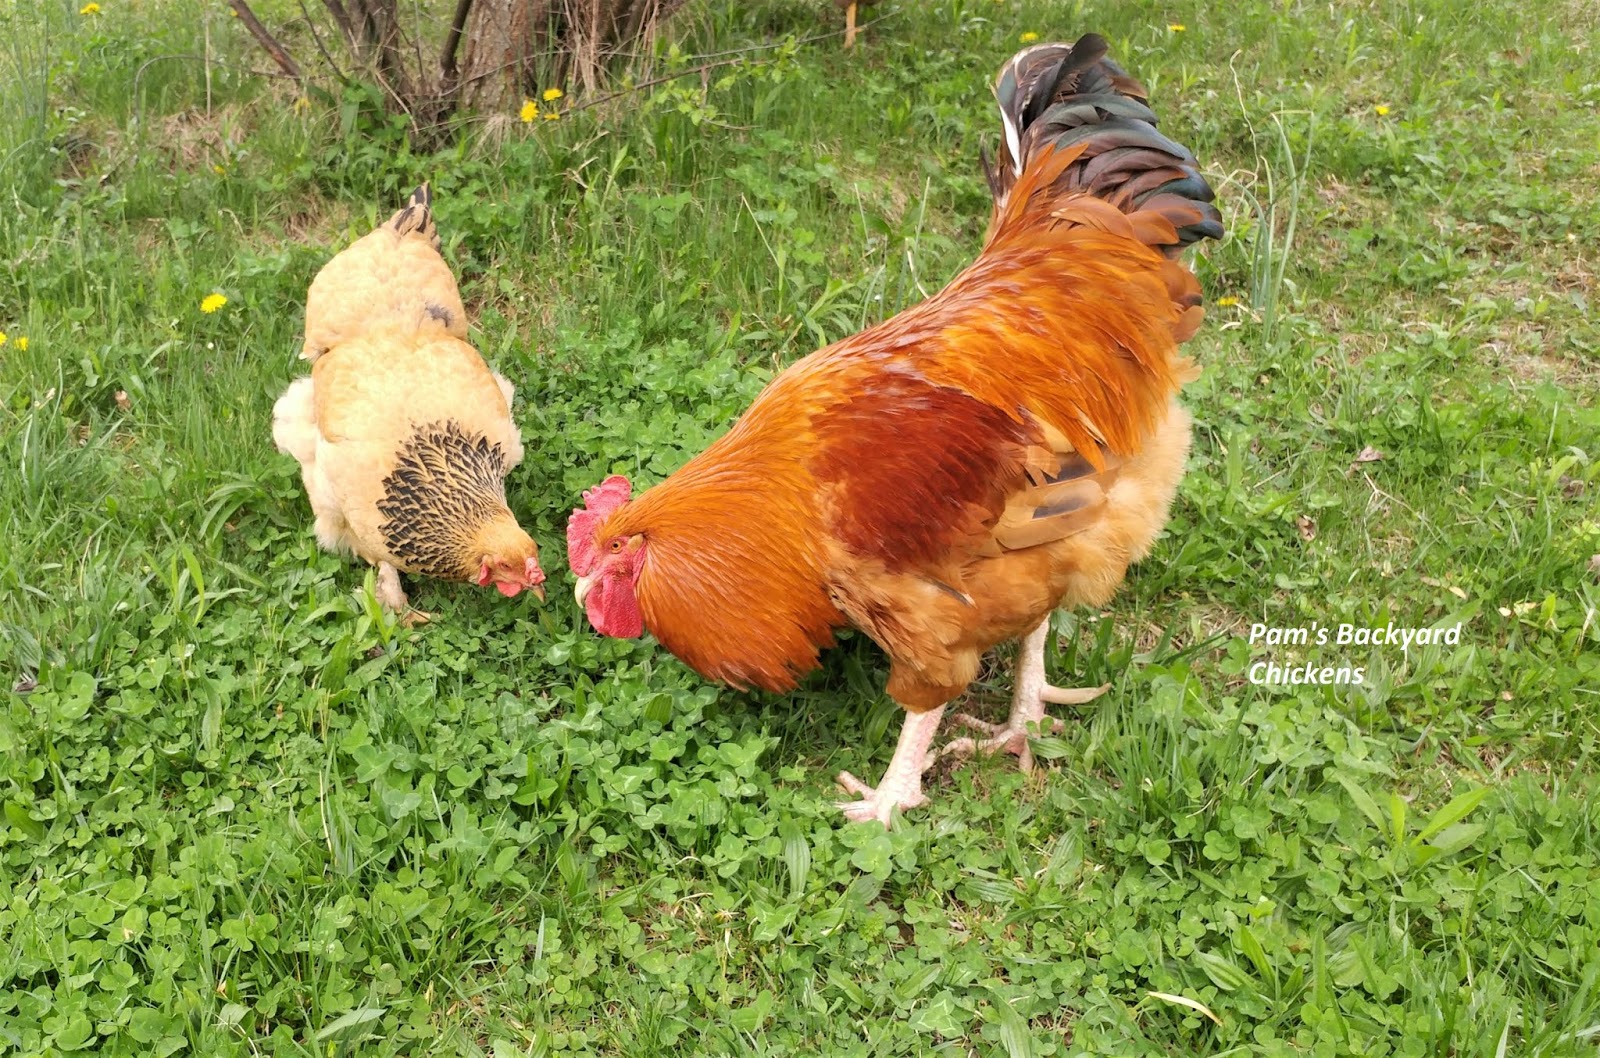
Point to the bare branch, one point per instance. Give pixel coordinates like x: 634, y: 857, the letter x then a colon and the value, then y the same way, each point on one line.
x: 346, y: 26
x: 447, y: 60
x: 316, y: 38
x: 284, y: 60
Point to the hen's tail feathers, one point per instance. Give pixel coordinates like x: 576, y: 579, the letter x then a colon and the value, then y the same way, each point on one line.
x: 417, y: 216
x: 1077, y: 122
x: 294, y: 422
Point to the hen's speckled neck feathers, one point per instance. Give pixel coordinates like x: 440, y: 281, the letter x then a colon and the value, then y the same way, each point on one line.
x: 444, y: 497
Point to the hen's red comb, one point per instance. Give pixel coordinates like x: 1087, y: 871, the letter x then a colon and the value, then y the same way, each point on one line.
x: 598, y: 502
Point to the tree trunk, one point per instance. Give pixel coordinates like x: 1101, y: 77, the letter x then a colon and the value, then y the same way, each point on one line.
x: 490, y: 56
x: 513, y: 44
x: 500, y: 50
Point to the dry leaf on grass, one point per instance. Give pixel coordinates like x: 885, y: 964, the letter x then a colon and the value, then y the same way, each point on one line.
x: 1368, y: 455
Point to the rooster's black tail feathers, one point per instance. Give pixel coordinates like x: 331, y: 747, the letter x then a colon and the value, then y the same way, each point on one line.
x: 1064, y: 95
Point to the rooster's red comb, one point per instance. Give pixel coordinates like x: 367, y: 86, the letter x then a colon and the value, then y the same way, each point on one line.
x: 598, y: 502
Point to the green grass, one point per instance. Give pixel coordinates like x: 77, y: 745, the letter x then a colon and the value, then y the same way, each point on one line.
x: 243, y: 813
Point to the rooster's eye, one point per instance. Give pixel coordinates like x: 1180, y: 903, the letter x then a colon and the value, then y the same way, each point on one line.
x: 616, y: 545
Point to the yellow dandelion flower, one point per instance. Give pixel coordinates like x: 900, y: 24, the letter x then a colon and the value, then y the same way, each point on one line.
x: 212, y: 303
x: 220, y: 170
x: 89, y: 9
x: 551, y: 115
x: 552, y: 94
x: 1176, y: 27
x: 1227, y: 302
x: 529, y: 111
x: 22, y: 344
x: 1383, y: 111
x: 1029, y: 37
x: 2, y: 337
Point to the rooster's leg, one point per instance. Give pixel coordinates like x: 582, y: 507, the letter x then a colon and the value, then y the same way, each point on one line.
x: 394, y: 597
x: 1027, y: 705
x: 901, y: 786
x: 850, y: 25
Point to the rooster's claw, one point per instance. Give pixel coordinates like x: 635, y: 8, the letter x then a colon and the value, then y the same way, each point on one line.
x: 877, y: 803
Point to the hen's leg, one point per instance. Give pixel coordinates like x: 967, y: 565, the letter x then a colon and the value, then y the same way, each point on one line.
x: 394, y: 597
x: 1029, y: 696
x: 901, y: 786
x: 850, y: 25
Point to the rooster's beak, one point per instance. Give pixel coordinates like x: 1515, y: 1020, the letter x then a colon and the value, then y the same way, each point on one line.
x: 581, y: 592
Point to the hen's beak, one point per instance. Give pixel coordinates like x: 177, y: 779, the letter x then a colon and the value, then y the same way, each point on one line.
x: 532, y: 579
x: 581, y: 592
x: 534, y: 576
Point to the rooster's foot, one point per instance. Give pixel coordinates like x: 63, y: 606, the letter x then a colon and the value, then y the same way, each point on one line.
x: 902, y: 783
x: 1007, y: 737
x: 880, y: 802
x: 1027, y: 719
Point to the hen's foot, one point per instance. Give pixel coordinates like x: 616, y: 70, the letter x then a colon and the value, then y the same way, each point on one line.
x: 1028, y: 719
x: 393, y: 597
x: 902, y: 783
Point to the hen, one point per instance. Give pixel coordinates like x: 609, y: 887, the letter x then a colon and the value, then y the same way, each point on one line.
x: 403, y: 433
x: 947, y: 478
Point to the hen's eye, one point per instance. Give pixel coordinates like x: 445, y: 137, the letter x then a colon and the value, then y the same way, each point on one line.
x: 616, y: 545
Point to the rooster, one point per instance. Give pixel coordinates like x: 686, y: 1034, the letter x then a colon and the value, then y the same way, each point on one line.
x: 403, y: 433
x: 947, y: 478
